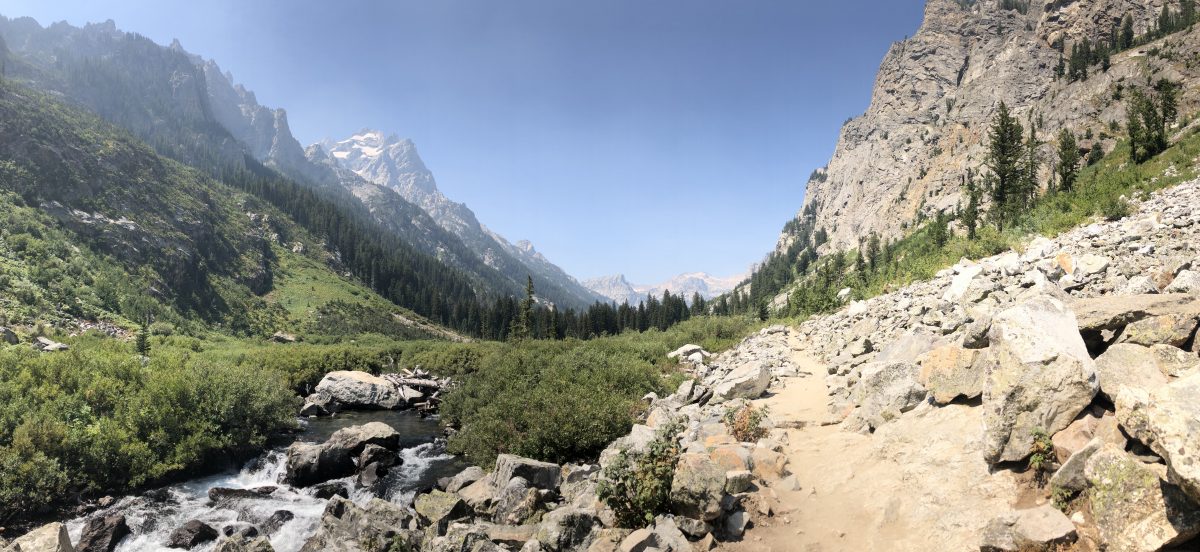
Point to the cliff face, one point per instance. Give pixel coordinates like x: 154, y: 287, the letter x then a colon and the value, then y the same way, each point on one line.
x: 936, y: 93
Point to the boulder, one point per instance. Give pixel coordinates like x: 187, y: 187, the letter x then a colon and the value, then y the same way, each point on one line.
x: 961, y: 282
x: 318, y: 404
x: 1187, y: 281
x: 513, y: 536
x: 697, y: 487
x: 1043, y: 377
x: 326, y: 491
x: 190, y: 534
x: 670, y: 538
x: 951, y: 371
x: 731, y: 457
x: 887, y: 390
x: 1134, y: 510
x: 542, y: 475
x: 1168, y: 421
x: 1113, y: 312
x: 1034, y: 529
x: 218, y: 494
x: 467, y: 537
x: 565, y: 529
x: 1128, y: 365
x: 911, y: 345
x: 360, y: 389
x: 48, y: 345
x: 516, y: 503
x: 1089, y: 425
x: 464, y: 478
x: 685, y: 351
x: 51, y: 537
x: 1090, y: 265
x: 102, y: 533
x: 738, y: 481
x: 277, y: 520
x: 975, y: 335
x: 748, y: 380
x: 8, y: 336
x: 768, y: 464
x: 348, y: 527
x: 308, y: 463
x: 1167, y: 329
x: 1070, y: 475
x: 479, y: 495
x: 639, y: 541
x: 438, y: 508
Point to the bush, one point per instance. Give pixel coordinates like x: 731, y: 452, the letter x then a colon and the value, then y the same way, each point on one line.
x: 638, y: 486
x: 745, y: 423
x: 1114, y: 208
x: 29, y: 483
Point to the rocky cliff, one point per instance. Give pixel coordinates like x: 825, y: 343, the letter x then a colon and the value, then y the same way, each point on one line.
x: 937, y: 91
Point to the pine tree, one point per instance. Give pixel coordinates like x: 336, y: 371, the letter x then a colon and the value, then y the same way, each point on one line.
x: 1126, y: 33
x: 142, y: 341
x: 763, y: 312
x: 873, y: 250
x: 970, y: 216
x: 1004, y: 158
x: 522, y: 324
x: 1068, y: 160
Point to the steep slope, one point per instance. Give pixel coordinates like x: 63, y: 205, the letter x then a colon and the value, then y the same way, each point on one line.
x: 98, y: 229
x: 936, y: 92
x: 394, y: 163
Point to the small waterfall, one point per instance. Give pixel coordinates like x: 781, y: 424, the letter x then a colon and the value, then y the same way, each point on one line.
x: 153, y: 516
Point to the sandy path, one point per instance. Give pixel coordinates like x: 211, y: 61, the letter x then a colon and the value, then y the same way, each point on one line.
x: 919, y: 483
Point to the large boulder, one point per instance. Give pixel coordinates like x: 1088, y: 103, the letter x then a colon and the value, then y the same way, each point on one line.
x: 1034, y: 529
x: 542, y: 475
x: 516, y: 503
x: 51, y: 537
x: 191, y: 534
x: 565, y: 529
x: 360, y: 389
x: 911, y: 345
x: 1043, y: 377
x: 308, y: 463
x: 1168, y: 421
x: 961, y: 282
x: 887, y: 390
x: 1134, y: 510
x: 464, y: 478
x: 1113, y: 312
x: 698, y: 486
x: 102, y: 533
x: 748, y: 380
x: 951, y: 371
x: 348, y: 527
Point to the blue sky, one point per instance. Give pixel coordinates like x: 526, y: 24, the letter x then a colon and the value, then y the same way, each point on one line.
x: 647, y: 137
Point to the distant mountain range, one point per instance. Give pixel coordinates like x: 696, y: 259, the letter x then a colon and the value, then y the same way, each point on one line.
x: 620, y: 290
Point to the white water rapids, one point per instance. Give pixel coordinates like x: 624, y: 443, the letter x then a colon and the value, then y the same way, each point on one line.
x: 153, y: 516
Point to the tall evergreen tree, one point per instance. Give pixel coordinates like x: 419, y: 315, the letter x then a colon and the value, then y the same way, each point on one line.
x: 522, y: 324
x: 1126, y: 36
x: 1004, y: 158
x: 970, y: 216
x: 1068, y: 160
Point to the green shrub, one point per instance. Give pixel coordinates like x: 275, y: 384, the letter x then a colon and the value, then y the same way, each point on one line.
x: 1041, y: 459
x: 1114, y: 208
x: 638, y: 486
x: 745, y: 423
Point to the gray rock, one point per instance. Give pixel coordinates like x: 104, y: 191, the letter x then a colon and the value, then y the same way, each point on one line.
x: 348, y: 527
x: 308, y: 464
x: 437, y: 509
x: 950, y: 372
x: 318, y: 404
x: 8, y: 336
x: 1168, y: 421
x: 542, y: 475
x: 1127, y: 364
x: 51, y: 537
x: 102, y: 533
x: 191, y: 534
x: 697, y: 487
x: 887, y: 390
x: 565, y: 529
x: 464, y: 478
x: 1043, y: 378
x: 1133, y: 508
x: 736, y: 524
x: 1033, y: 529
x: 748, y: 380
x: 516, y: 503
x: 360, y: 389
x: 1186, y: 281
x: 1168, y: 329
x: 639, y: 541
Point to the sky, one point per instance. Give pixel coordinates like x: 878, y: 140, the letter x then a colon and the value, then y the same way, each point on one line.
x: 643, y: 137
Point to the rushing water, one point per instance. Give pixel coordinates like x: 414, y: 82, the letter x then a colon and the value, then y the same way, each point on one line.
x: 153, y: 516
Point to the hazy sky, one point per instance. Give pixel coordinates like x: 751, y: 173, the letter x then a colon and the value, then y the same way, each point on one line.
x: 647, y: 137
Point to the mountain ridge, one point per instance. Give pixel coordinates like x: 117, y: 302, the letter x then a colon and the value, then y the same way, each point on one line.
x: 618, y: 289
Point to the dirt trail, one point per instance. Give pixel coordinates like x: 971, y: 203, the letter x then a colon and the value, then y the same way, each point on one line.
x: 919, y: 483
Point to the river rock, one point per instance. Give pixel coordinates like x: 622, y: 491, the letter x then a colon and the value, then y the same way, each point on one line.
x: 1168, y: 421
x: 51, y: 537
x: 319, y: 404
x: 438, y: 508
x: 191, y: 534
x: 542, y: 475
x: 217, y: 494
x: 102, y: 533
x: 697, y: 487
x: 277, y: 520
x: 348, y: 527
x: 308, y: 464
x: 325, y: 491
x: 1034, y: 529
x: 1043, y: 377
x: 360, y: 389
x: 242, y: 544
x: 464, y: 478
x: 1134, y: 509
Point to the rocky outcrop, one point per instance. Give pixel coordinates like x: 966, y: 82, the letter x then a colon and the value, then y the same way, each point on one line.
x: 1168, y: 421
